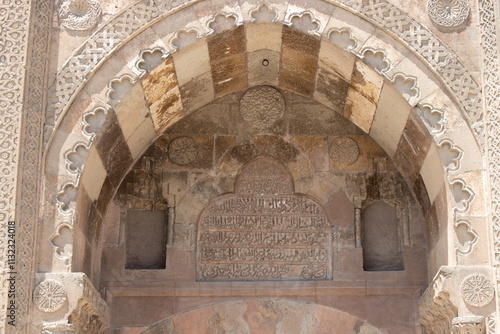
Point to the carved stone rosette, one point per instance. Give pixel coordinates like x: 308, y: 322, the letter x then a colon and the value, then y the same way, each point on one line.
x: 477, y: 290
x: 448, y: 13
x: 49, y: 295
x: 88, y: 312
x: 79, y: 14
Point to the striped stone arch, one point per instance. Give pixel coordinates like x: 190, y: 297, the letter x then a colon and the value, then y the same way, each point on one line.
x: 299, y: 62
x: 409, y: 106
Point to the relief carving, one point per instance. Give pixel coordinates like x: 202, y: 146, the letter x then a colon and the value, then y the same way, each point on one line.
x: 448, y: 13
x: 468, y: 325
x: 262, y: 106
x: 49, y: 295
x: 264, y: 231
x: 477, y: 290
x: 79, y: 14
x: 344, y: 151
x: 183, y: 151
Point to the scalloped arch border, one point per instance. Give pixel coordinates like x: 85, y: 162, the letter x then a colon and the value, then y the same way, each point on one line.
x: 381, y: 13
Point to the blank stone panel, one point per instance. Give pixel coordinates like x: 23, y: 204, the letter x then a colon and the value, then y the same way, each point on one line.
x: 146, y: 239
x: 381, y: 243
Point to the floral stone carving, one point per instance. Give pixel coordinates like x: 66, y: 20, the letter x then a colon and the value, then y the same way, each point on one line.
x: 477, y: 290
x: 344, y: 150
x: 262, y: 106
x: 448, y: 13
x: 183, y: 151
x: 79, y: 14
x: 49, y: 295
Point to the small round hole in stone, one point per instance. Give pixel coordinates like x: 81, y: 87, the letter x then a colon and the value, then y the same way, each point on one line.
x: 265, y: 62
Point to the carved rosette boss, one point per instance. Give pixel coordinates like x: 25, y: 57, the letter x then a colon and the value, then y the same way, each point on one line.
x: 49, y: 295
x: 448, y: 13
x: 477, y: 290
x: 79, y: 14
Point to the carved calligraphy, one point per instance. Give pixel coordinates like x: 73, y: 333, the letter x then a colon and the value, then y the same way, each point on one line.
x: 264, y: 231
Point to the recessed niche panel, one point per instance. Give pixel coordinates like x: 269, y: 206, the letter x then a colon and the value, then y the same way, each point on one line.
x: 146, y: 239
x: 381, y: 242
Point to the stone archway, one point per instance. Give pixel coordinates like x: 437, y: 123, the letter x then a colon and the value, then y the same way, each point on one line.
x: 165, y: 96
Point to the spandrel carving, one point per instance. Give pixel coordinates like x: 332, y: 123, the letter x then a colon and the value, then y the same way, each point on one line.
x: 264, y: 231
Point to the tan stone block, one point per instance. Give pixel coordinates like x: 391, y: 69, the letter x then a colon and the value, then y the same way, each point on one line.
x: 299, y: 64
x: 367, y: 81
x: 159, y: 81
x: 226, y: 44
x: 191, y: 62
x: 228, y: 67
x: 331, y: 90
x: 230, y: 85
x: 404, y: 163
x: 259, y: 72
x: 390, y: 119
x: 197, y: 92
x: 334, y: 59
x: 432, y: 173
x: 296, y: 84
x: 264, y: 36
x: 113, y: 150
x: 94, y: 174
x: 359, y: 110
x: 165, y: 109
x: 300, y: 41
x: 412, y: 148
x: 141, y: 138
x: 132, y: 110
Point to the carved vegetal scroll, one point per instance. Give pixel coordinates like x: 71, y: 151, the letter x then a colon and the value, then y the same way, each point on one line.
x: 264, y: 231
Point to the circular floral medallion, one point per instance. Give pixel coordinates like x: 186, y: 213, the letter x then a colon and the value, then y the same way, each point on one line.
x: 448, y: 13
x: 79, y: 14
x: 262, y: 106
x: 49, y: 295
x: 344, y: 151
x: 183, y: 151
x: 477, y: 290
